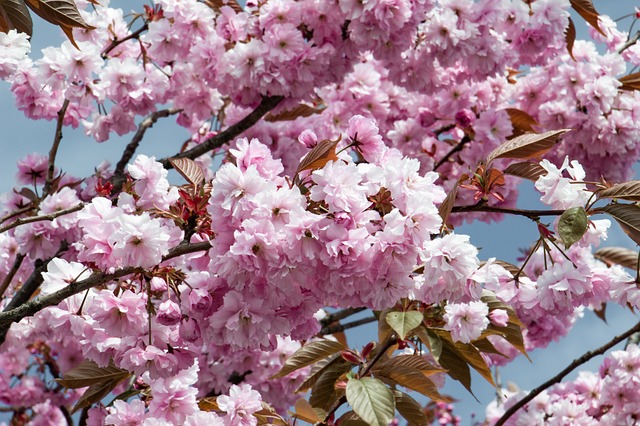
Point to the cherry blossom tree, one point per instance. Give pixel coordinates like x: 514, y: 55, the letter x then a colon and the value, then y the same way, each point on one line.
x: 335, y: 147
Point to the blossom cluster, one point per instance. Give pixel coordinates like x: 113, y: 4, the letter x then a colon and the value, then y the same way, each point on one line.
x: 411, y: 96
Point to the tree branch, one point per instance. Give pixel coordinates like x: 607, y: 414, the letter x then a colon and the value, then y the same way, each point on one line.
x: 558, y: 377
x: 482, y: 207
x: 115, y: 43
x: 337, y: 316
x: 633, y: 40
x: 31, y: 219
x: 118, y: 176
x: 17, y: 311
x: 54, y: 148
x: 465, y: 140
x: 331, y: 329
x: 12, y: 272
x: 266, y: 105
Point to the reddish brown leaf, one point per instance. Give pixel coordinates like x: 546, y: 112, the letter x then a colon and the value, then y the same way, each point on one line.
x: 627, y: 216
x: 411, y: 378
x: 101, y: 381
x: 410, y: 409
x: 14, y: 14
x: 301, y: 110
x: 58, y: 12
x: 570, y: 37
x: 588, y: 12
x: 305, y: 412
x: 629, y: 191
x: 618, y: 256
x: 217, y: 4
x: 447, y: 205
x: 188, y: 169
x: 319, y: 156
x: 529, y: 145
x: 601, y: 312
x: 526, y: 170
x: 309, y: 354
x: 630, y: 82
x: 521, y: 121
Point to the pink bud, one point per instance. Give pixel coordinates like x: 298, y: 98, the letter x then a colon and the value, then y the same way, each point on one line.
x: 169, y: 313
x: 499, y: 317
x: 308, y: 138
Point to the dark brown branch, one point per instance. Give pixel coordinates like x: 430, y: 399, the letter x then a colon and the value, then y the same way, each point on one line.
x: 115, y: 43
x: 482, y: 207
x: 118, y: 176
x: 16, y: 311
x: 558, y: 377
x: 331, y: 329
x: 17, y: 212
x: 12, y: 272
x: 267, y: 104
x: 633, y: 40
x: 465, y: 140
x: 31, y: 219
x: 337, y: 316
x: 54, y: 148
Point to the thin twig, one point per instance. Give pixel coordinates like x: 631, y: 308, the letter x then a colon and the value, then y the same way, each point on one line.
x: 31, y: 219
x: 465, y: 140
x: 633, y: 40
x: 12, y: 272
x: 531, y: 214
x: 331, y: 329
x: 54, y: 148
x: 118, y: 175
x: 115, y: 43
x: 16, y: 311
x: 386, y: 345
x: 337, y: 316
x: 558, y: 377
x: 267, y: 104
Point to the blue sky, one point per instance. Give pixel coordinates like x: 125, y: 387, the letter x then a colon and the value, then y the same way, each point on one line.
x: 79, y: 154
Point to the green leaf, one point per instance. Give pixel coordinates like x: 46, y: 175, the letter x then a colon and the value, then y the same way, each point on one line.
x: 618, y: 256
x: 526, y: 170
x: 309, y: 354
x: 14, y: 14
x: 627, y: 216
x: 529, y: 145
x: 372, y: 400
x: 629, y: 191
x: 408, y: 408
x: 572, y: 225
x: 403, y: 322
